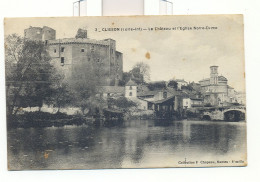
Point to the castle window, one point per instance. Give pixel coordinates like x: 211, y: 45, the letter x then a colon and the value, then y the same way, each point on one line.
x: 92, y: 48
x: 62, y: 49
x: 62, y: 61
x: 82, y: 50
x: 98, y: 60
x: 55, y: 50
x: 131, y: 88
x: 89, y: 59
x: 130, y: 94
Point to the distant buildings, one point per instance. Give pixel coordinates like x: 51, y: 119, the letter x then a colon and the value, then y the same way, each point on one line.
x: 181, y: 82
x: 192, y: 102
x: 76, y: 57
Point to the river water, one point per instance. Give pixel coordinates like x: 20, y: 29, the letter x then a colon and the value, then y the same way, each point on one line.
x: 129, y: 144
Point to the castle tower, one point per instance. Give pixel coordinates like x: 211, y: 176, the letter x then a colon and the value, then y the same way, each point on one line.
x: 33, y: 33
x: 48, y: 33
x: 213, y: 75
x: 131, y: 89
x: 40, y: 34
x: 81, y: 34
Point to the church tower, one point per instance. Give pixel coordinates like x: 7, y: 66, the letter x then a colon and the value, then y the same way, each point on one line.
x: 213, y: 75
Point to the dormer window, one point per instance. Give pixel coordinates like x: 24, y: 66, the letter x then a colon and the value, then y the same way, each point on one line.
x: 164, y: 95
x: 131, y: 88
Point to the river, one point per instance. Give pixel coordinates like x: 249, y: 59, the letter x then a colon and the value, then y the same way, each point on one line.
x: 129, y: 144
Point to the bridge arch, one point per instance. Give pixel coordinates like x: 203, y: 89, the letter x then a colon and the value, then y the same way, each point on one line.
x: 206, y: 117
x: 234, y: 115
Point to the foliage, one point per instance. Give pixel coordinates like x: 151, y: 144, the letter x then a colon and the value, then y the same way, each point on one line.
x: 140, y: 73
x: 95, y: 105
x: 191, y: 114
x: 188, y: 87
x: 156, y: 85
x: 173, y: 84
x: 208, y: 105
x: 121, y: 103
x: 83, y: 86
x: 61, y: 97
x: 30, y: 78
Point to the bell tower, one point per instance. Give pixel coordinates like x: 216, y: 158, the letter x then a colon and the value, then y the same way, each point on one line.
x: 213, y: 75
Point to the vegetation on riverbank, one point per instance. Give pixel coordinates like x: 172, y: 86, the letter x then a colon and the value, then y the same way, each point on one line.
x: 42, y: 119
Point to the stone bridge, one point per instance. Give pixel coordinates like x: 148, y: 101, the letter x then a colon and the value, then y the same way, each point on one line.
x: 235, y: 113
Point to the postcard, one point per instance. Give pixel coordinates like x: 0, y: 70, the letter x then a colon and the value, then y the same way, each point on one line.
x: 125, y: 92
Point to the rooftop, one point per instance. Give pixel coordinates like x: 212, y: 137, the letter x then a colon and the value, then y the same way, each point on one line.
x: 163, y: 100
x: 131, y: 83
x: 222, y: 78
x: 78, y: 41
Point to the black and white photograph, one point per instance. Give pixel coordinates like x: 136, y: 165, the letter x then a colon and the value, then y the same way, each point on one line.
x: 125, y: 92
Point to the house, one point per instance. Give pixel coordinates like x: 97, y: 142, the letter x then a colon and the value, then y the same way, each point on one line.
x: 181, y: 82
x: 131, y: 89
x: 165, y: 102
x: 192, y: 102
x: 111, y: 91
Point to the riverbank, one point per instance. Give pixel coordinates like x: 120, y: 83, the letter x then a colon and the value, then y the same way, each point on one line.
x: 43, y: 119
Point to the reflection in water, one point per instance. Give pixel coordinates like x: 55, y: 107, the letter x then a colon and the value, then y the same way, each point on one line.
x: 129, y: 144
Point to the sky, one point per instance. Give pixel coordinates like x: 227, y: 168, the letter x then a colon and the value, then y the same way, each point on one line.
x: 179, y: 54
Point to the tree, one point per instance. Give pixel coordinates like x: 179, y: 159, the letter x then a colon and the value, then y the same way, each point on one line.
x: 173, y: 84
x: 61, y: 97
x: 121, y: 103
x: 30, y: 78
x: 83, y: 85
x: 140, y: 73
x: 144, y: 71
x: 157, y: 85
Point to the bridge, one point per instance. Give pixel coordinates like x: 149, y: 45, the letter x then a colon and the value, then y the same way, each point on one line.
x: 233, y: 113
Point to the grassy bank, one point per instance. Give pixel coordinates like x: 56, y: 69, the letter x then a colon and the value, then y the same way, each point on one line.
x: 44, y: 119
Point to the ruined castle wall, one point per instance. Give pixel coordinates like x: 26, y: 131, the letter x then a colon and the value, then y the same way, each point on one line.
x: 48, y: 33
x: 62, y: 58
x: 33, y: 33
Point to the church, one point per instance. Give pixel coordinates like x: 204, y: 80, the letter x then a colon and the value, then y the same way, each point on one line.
x: 216, y: 90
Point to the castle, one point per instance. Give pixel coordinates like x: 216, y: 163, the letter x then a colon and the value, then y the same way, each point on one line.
x: 216, y: 90
x: 76, y: 57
